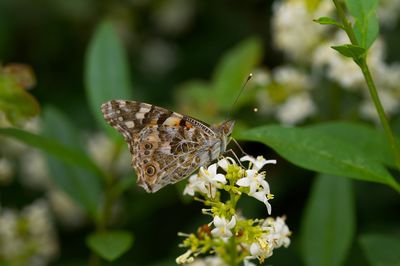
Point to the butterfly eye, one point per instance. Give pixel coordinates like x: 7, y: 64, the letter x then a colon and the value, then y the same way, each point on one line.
x: 148, y: 146
x: 150, y: 170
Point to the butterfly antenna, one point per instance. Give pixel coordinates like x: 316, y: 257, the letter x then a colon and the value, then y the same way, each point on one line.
x: 240, y: 93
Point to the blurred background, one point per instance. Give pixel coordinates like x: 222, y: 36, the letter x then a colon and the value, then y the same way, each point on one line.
x: 190, y: 56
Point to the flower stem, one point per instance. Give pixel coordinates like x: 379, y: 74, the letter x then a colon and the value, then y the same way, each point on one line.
x: 362, y: 63
x: 379, y: 108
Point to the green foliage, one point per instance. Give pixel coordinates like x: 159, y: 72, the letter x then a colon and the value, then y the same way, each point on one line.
x: 350, y: 50
x: 110, y: 245
x: 329, y: 221
x: 321, y: 151
x: 229, y: 76
x: 83, y: 185
x: 55, y: 148
x: 329, y: 21
x: 366, y: 25
x: 15, y: 102
x: 233, y: 69
x: 106, y: 71
x: 380, y: 249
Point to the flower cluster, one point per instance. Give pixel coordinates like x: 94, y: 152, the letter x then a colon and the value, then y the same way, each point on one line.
x: 230, y: 237
x: 306, y: 45
x: 28, y: 237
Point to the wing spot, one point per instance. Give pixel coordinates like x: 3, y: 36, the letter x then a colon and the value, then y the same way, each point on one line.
x: 129, y: 124
x: 148, y: 146
x: 147, y: 152
x: 139, y: 115
x: 172, y: 121
x: 150, y: 170
x: 144, y: 110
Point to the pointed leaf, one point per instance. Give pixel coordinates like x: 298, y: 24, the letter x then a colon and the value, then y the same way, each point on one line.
x: 328, y: 225
x: 328, y: 21
x: 106, y: 71
x: 322, y: 152
x: 381, y: 250
x: 350, y: 50
x: 233, y: 70
x: 81, y: 185
x: 366, y: 25
x: 110, y: 245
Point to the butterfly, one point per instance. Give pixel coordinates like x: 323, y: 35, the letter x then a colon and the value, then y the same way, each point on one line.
x: 166, y: 146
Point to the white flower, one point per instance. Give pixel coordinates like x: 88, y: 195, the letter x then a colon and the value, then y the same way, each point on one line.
x: 278, y: 231
x: 223, y: 227
x: 65, y: 209
x: 295, y: 109
x: 225, y: 162
x: 206, y: 181
x: 257, y: 163
x: 293, y: 29
x: 253, y: 180
x: 37, y: 242
x: 185, y: 258
x: 263, y: 195
x: 388, y: 12
x: 208, y: 261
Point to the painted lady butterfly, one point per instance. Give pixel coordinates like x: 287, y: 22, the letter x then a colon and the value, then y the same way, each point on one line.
x: 166, y: 147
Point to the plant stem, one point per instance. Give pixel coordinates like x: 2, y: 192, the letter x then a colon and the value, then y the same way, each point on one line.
x: 362, y: 63
x: 379, y: 108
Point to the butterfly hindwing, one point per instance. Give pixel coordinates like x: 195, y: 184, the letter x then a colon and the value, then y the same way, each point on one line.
x: 166, y: 146
x: 163, y: 155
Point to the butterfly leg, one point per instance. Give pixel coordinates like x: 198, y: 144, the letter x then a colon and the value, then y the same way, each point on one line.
x: 234, y: 155
x: 240, y: 147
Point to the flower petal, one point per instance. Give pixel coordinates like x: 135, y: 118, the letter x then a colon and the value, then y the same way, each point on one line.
x: 243, y: 182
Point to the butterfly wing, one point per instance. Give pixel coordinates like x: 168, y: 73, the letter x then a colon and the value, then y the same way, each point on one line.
x: 166, y: 146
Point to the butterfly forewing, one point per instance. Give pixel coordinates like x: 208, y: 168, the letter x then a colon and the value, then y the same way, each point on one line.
x: 166, y: 146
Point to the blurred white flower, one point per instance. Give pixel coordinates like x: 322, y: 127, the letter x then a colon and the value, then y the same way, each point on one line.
x: 185, y: 258
x: 68, y: 213
x: 278, y: 231
x: 296, y: 109
x: 34, y: 170
x: 388, y: 12
x: 102, y: 149
x: 293, y: 28
x: 28, y: 238
x: 288, y: 95
x: 389, y: 101
x: 293, y: 79
x: 223, y: 227
x: 6, y: 171
x: 174, y: 16
x: 158, y: 57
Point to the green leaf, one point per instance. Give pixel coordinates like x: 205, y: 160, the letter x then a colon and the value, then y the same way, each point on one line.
x: 110, y: 245
x: 106, y: 71
x: 79, y: 183
x: 350, y: 50
x: 381, y: 250
x: 328, y: 21
x: 15, y: 102
x: 368, y: 140
x: 70, y: 156
x: 328, y: 225
x: 366, y: 26
x: 320, y: 151
x: 233, y: 70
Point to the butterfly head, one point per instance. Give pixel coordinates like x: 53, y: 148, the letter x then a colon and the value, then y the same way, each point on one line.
x: 225, y: 130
